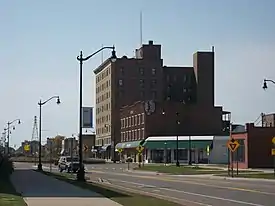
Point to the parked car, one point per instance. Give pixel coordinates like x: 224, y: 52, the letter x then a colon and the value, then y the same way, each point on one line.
x: 68, y: 164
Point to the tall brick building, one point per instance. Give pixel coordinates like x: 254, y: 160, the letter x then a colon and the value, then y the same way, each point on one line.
x: 144, y: 77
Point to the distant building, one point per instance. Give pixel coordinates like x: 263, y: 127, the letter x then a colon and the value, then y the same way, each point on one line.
x: 255, y: 146
x: 268, y: 120
x: 144, y: 77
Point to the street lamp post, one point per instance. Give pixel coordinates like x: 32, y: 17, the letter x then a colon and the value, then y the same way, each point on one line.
x: 81, y: 59
x: 177, y: 141
x: 189, y: 151
x: 265, y: 83
x: 8, y: 132
x: 40, y: 103
x: 178, y: 125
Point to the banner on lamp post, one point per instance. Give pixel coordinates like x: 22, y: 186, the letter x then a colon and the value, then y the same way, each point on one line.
x: 87, y: 117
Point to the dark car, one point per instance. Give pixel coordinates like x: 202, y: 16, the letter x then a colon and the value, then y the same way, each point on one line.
x: 69, y: 164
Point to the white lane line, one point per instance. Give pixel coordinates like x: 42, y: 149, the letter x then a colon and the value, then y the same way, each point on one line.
x: 159, y: 195
x: 191, y: 193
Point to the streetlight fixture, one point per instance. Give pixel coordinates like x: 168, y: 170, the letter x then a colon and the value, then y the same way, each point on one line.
x: 81, y: 59
x: 265, y: 83
x: 40, y: 103
x: 8, y: 132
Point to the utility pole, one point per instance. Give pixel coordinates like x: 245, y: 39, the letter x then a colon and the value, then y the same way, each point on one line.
x: 34, y: 140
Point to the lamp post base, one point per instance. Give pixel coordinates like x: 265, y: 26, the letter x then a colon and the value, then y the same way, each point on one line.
x: 177, y: 164
x: 81, y: 175
x: 39, y: 167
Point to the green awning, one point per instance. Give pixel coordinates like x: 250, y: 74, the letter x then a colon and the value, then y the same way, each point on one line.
x: 126, y: 145
x: 171, y: 144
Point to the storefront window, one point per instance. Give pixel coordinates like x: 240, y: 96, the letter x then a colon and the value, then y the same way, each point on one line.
x: 183, y: 154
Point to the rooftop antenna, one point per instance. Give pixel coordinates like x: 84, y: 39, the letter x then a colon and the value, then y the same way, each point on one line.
x: 140, y: 24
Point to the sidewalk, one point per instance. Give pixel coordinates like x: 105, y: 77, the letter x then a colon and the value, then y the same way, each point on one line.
x: 41, y: 190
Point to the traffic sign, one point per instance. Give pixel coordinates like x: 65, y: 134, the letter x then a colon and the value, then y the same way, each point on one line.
x: 85, y: 148
x: 273, y: 140
x: 233, y: 145
x: 120, y: 150
x: 140, y: 149
x: 27, y: 147
x: 273, y: 152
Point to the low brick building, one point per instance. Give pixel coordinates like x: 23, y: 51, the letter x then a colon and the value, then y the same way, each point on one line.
x: 255, y: 147
x: 150, y: 118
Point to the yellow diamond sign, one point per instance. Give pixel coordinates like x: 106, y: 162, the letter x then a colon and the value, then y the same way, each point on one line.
x: 27, y: 147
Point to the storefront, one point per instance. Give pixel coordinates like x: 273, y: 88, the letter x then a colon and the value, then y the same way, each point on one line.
x: 164, y: 149
x: 129, y: 149
x: 105, y: 151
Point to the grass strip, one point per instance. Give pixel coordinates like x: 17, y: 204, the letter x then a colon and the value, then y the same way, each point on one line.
x: 8, y: 194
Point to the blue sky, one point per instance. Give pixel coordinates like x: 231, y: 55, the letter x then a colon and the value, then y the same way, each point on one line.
x: 41, y: 39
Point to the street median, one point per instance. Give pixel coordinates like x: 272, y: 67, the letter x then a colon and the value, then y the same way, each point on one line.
x: 121, y: 195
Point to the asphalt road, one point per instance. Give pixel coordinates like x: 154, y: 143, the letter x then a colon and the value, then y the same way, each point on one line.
x: 188, y: 190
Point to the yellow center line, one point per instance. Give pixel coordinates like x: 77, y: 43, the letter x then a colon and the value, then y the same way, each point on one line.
x: 193, y: 182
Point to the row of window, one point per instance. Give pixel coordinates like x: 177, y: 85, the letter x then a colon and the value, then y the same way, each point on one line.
x: 134, y: 120
x: 103, y: 97
x: 153, y: 83
x: 103, y: 130
x: 103, y: 119
x: 102, y: 141
x: 185, y: 78
x: 132, y: 135
x: 103, y: 74
x: 141, y: 71
x: 103, y: 108
x: 103, y: 86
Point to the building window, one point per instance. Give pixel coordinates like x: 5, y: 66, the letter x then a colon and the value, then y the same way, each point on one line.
x: 132, y: 120
x: 153, y: 71
x: 135, y: 120
x: 132, y: 135
x: 120, y: 82
x: 142, y: 118
x: 136, y: 137
x: 126, y: 122
x: 183, y: 154
x: 185, y: 78
x: 141, y: 71
x: 138, y: 119
x: 138, y: 134
x: 122, y: 70
x: 153, y: 83
x: 142, y: 133
x: 141, y: 83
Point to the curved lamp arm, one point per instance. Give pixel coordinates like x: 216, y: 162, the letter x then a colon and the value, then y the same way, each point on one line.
x: 10, y: 122
x: 80, y: 58
x: 269, y: 80
x: 53, y: 97
x: 265, y: 83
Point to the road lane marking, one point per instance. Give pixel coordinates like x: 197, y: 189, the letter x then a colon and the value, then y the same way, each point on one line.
x: 190, y: 182
x: 191, y: 193
x: 158, y: 195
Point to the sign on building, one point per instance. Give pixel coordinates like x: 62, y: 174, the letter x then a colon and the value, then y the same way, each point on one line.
x: 87, y: 117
